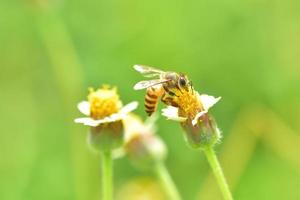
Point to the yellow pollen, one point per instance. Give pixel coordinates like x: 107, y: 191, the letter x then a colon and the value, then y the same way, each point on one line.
x: 104, y: 102
x: 189, y: 104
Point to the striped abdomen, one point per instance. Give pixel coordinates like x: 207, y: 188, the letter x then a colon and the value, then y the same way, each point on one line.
x: 151, y: 99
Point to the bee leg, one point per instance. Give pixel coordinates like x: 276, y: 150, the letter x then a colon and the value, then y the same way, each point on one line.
x: 165, y: 99
x: 172, y: 94
x: 169, y: 92
x: 168, y: 100
x: 192, y: 87
x: 178, y: 88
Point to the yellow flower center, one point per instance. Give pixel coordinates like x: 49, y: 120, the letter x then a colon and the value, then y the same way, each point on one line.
x: 104, y: 102
x: 189, y: 104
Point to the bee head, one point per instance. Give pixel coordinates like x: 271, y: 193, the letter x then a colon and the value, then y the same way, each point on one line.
x: 178, y: 81
x: 183, y: 81
x: 172, y: 76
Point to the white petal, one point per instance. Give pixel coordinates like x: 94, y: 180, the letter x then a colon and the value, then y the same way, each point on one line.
x: 87, y: 121
x: 172, y: 113
x: 115, y: 117
x: 129, y: 107
x: 199, y: 114
x: 84, y: 107
x: 208, y: 101
x: 112, y: 118
x: 92, y: 122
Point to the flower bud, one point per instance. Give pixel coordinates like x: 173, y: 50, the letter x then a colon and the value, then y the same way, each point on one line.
x: 200, y: 128
x: 145, y: 150
x: 204, y: 133
x: 104, y: 115
x: 143, y: 147
x: 106, y: 137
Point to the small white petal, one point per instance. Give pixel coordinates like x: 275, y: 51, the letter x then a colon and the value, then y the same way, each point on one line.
x: 115, y: 117
x: 112, y: 118
x: 92, y: 122
x: 84, y: 107
x: 172, y: 113
x: 87, y: 121
x: 129, y: 107
x: 199, y: 114
x: 208, y: 101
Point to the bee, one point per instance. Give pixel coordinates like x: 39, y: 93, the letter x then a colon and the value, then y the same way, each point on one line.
x: 167, y: 86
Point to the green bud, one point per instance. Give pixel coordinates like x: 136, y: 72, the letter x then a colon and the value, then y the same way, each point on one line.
x: 204, y: 133
x: 106, y: 137
x: 146, y: 150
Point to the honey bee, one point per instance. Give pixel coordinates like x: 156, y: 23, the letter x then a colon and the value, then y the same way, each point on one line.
x: 167, y: 86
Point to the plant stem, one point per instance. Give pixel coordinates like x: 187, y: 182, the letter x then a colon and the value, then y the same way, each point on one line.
x: 218, y: 172
x: 167, y: 181
x: 107, y: 175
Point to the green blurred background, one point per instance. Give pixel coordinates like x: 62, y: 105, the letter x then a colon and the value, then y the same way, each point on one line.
x: 245, y: 51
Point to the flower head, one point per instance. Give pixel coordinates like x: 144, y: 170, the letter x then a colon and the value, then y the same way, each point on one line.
x: 103, y: 106
x: 190, y: 107
x: 103, y: 102
x: 143, y: 147
x: 105, y: 115
x: 192, y: 112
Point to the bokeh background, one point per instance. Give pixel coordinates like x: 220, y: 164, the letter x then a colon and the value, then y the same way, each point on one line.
x: 245, y: 51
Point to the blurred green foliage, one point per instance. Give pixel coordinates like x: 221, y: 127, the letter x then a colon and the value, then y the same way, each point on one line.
x: 52, y: 51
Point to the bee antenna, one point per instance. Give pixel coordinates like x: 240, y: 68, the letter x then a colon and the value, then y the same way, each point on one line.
x: 192, y: 86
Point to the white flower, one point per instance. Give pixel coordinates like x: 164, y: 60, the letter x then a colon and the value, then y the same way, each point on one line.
x: 134, y: 126
x: 207, y: 101
x: 103, y: 106
x: 84, y: 108
x: 142, y: 145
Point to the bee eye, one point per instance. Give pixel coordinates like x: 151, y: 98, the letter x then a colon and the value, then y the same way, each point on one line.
x: 182, y: 81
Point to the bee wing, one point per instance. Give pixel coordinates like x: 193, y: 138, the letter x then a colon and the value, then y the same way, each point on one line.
x: 151, y: 75
x: 145, y: 84
x: 148, y: 71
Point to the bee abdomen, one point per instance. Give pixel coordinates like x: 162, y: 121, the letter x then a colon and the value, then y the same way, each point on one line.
x: 151, y: 100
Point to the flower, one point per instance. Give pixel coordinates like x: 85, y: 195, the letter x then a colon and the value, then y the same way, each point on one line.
x: 143, y: 147
x: 204, y: 101
x: 105, y: 115
x: 103, y: 106
x: 192, y: 112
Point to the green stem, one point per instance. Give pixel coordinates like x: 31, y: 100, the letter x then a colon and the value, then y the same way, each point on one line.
x: 218, y: 172
x: 167, y: 181
x: 107, y: 175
